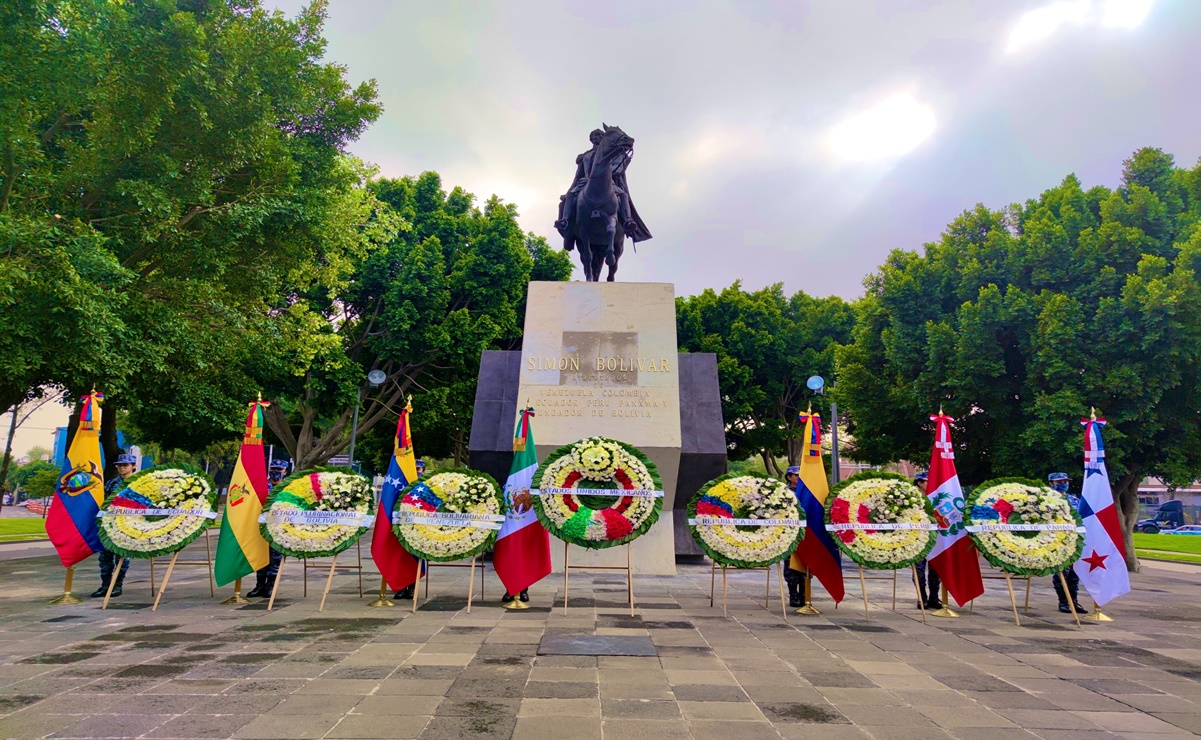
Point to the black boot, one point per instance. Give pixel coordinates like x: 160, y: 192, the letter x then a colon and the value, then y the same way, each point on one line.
x: 1063, y: 596
x: 525, y: 595
x: 796, y: 599
x: 404, y: 593
x: 100, y: 591
x: 506, y: 598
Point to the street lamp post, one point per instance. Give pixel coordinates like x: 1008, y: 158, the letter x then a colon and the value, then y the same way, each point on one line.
x: 817, y: 384
x: 375, y: 379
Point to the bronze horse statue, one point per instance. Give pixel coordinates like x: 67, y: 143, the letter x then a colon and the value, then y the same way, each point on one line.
x: 597, y: 215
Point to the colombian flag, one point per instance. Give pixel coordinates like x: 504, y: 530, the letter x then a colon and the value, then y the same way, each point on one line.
x: 71, y: 522
x: 817, y: 552
x: 241, y: 549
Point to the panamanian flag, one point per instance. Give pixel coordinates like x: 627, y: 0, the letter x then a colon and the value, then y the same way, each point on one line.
x: 1102, y: 566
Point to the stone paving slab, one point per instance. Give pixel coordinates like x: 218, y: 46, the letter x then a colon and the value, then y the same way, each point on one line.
x: 199, y: 669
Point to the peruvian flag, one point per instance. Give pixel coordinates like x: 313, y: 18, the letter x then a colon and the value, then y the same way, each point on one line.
x: 954, y: 556
x: 522, y: 553
x: 1102, y: 566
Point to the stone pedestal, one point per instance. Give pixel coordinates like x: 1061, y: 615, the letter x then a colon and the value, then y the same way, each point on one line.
x: 673, y: 413
x: 600, y: 359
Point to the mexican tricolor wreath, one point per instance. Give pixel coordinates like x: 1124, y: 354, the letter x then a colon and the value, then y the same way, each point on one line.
x: 318, y: 512
x: 1024, y: 527
x: 597, y: 492
x: 746, y: 520
x: 159, y: 511
x: 881, y: 520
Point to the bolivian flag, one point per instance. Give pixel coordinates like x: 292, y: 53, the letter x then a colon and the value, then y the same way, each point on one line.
x: 71, y: 522
x: 241, y: 549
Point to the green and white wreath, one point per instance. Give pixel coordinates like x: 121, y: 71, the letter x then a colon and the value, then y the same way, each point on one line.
x: 159, y: 511
x: 1024, y: 527
x: 449, y: 514
x: 724, y: 518
x: 318, y: 512
x: 619, y: 493
x: 881, y: 520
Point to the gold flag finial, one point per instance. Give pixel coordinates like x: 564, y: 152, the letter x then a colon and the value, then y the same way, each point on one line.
x: 1092, y: 412
x: 940, y: 410
x: 260, y: 394
x: 810, y: 410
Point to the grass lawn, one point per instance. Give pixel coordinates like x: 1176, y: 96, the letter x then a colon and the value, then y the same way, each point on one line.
x: 1170, y: 542
x: 22, y: 529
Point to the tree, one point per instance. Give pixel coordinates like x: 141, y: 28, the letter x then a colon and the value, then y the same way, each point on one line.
x: 1018, y: 321
x: 41, y: 482
x: 420, y: 308
x: 766, y: 346
x: 170, y: 171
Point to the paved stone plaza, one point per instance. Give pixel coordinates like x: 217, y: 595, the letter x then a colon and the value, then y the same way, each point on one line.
x: 196, y: 669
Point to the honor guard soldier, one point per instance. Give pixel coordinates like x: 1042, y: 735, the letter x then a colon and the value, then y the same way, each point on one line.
x: 926, y: 576
x: 1059, y: 482
x: 794, y: 578
x: 264, y: 578
x: 108, y: 560
x: 420, y: 465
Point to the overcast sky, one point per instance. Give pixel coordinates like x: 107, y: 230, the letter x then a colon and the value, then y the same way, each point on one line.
x: 732, y: 107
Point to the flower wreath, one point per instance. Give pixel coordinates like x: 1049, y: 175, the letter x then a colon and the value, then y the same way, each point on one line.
x: 340, y: 495
x: 597, y: 521
x: 745, y: 496
x: 1023, y: 501
x: 908, y: 530
x: 185, y: 497
x: 439, y: 496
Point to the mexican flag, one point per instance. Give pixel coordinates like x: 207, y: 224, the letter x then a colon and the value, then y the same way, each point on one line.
x: 954, y: 556
x: 522, y: 553
x: 241, y: 549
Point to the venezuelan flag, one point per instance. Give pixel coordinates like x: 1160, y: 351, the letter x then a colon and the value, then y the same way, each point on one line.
x: 241, y: 549
x: 396, y: 565
x: 71, y: 522
x: 817, y: 552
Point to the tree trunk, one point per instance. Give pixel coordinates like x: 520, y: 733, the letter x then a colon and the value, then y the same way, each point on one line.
x: 8, y: 454
x: 1125, y: 495
x: 108, y: 438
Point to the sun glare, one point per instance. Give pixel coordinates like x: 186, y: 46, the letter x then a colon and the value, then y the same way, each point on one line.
x: 1125, y: 13
x: 1042, y: 23
x: 889, y: 128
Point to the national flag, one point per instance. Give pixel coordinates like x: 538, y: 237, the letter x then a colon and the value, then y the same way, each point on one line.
x: 817, y: 552
x: 954, y: 556
x: 241, y: 549
x: 396, y: 565
x: 71, y: 522
x: 522, y: 553
x: 1102, y: 565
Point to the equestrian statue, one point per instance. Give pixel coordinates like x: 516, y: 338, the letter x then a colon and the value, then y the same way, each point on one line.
x: 596, y: 215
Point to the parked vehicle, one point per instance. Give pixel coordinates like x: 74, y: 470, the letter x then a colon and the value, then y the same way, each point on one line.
x: 1169, y: 516
x: 1186, y: 529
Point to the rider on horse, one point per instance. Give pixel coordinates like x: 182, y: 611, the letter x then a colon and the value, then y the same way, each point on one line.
x: 631, y: 222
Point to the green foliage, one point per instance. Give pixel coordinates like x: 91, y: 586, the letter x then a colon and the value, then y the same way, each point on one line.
x: 767, y: 345
x: 171, y: 174
x: 1018, y: 321
x: 447, y: 284
x: 42, y: 482
x: 20, y: 477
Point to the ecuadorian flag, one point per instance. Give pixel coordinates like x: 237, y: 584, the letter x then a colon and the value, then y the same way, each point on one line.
x: 241, y: 549
x: 817, y: 552
x: 71, y: 522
